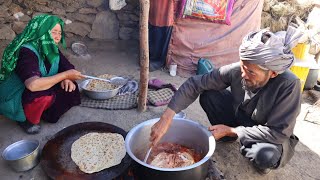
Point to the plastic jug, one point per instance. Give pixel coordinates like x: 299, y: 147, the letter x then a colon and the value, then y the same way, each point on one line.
x: 204, y: 66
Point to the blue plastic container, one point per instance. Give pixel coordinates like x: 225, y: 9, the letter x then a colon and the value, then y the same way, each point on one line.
x: 204, y: 66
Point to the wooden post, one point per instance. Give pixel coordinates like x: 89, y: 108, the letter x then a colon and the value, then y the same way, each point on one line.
x: 144, y: 55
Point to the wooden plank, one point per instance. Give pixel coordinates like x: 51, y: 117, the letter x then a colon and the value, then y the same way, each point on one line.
x: 144, y: 55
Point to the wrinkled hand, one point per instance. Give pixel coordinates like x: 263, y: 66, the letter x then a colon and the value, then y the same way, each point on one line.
x: 219, y: 131
x: 73, y: 75
x: 68, y: 85
x: 161, y: 127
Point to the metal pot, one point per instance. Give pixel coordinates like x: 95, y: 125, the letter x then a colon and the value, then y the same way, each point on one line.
x: 182, y: 131
x: 22, y: 155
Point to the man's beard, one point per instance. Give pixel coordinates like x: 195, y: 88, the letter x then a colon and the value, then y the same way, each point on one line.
x: 248, y: 87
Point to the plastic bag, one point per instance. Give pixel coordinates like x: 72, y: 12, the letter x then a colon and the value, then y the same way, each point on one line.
x: 218, y: 11
x: 117, y: 4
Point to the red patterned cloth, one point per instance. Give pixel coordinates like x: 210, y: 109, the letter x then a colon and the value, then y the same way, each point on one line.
x: 34, y: 110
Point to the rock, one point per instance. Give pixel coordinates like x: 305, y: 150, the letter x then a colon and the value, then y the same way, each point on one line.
x: 72, y: 4
x: 69, y: 35
x: 70, y: 9
x: 9, y: 19
x: 88, y: 11
x: 7, y: 2
x: 25, y: 18
x: 55, y: 4
x: 125, y: 33
x: 134, y: 17
x: 304, y: 4
x: 4, y: 12
x: 43, y: 9
x: 123, y: 16
x: 267, y: 5
x: 1, y: 2
x: 128, y: 7
x: 280, y: 24
x: 130, y: 24
x: 36, y: 14
x: 29, y: 12
x: 18, y: 27
x: 105, y: 26
x: 6, y: 33
x: 79, y: 28
x: 133, y: 2
x: 42, y: 2
x: 87, y: 18
x: 95, y: 3
x: 59, y: 11
x: 135, y: 34
x: 282, y: 9
x: 265, y: 20
x: 15, y: 8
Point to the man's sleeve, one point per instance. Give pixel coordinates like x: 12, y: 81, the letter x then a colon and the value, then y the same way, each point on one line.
x: 189, y: 91
x: 281, y: 120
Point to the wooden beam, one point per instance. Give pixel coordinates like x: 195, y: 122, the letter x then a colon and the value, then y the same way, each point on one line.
x: 144, y: 55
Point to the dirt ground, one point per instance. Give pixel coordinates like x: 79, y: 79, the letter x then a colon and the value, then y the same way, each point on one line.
x: 121, y: 58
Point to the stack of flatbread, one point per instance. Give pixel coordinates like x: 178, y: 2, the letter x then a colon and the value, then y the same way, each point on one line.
x: 94, y: 152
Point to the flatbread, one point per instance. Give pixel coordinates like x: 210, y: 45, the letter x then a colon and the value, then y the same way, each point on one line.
x: 169, y: 160
x: 94, y: 152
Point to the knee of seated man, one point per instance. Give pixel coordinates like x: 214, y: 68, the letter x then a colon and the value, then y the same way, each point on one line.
x: 267, y: 157
x: 210, y: 95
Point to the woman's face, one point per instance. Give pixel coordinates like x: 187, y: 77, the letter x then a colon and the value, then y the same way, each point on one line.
x: 56, y: 33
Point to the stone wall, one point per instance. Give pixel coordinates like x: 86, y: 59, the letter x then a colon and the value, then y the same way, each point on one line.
x: 84, y: 18
x: 93, y: 18
x: 277, y: 14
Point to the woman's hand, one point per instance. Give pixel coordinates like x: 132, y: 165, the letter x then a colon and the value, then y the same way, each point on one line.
x: 68, y: 85
x: 73, y: 75
x: 161, y: 127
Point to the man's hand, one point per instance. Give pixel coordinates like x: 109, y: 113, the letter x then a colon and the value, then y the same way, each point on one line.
x: 161, y: 127
x: 68, y: 85
x: 219, y: 131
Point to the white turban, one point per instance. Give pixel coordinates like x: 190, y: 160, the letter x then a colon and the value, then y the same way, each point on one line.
x: 274, y: 54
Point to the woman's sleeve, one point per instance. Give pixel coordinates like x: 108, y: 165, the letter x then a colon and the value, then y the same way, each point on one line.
x: 27, y: 64
x: 64, y: 64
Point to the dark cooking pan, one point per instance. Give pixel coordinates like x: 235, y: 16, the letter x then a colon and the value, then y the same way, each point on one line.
x: 56, y: 154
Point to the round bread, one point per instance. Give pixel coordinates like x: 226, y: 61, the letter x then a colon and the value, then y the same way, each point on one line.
x: 94, y: 152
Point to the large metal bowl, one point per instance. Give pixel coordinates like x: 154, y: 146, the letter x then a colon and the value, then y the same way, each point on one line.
x: 182, y: 131
x: 22, y: 155
x: 99, y: 95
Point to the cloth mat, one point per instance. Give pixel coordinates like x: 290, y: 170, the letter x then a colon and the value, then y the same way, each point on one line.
x: 160, y: 97
x: 159, y: 93
x: 128, y: 101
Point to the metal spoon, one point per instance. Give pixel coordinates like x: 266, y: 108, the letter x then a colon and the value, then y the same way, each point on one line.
x: 147, y: 155
x: 114, y: 80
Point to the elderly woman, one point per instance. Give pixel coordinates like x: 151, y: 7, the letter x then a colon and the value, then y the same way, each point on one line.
x: 36, y: 80
x: 259, y: 109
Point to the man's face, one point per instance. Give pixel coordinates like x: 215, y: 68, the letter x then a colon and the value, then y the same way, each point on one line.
x: 253, y: 76
x: 56, y: 33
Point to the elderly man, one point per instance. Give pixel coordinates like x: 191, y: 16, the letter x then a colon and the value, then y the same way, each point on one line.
x: 256, y: 100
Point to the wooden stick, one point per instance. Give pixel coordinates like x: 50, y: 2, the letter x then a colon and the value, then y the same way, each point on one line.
x: 144, y: 55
